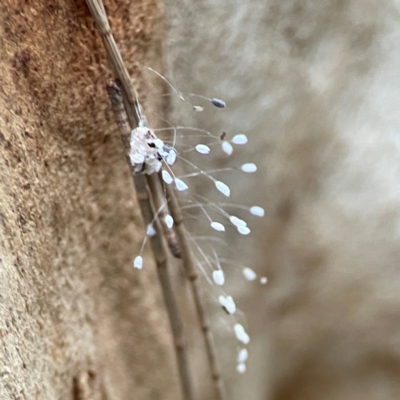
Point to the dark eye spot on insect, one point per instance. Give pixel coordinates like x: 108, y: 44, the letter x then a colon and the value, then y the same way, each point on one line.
x: 149, y: 135
x: 151, y: 144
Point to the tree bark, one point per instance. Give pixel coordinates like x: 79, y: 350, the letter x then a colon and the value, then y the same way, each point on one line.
x: 76, y: 321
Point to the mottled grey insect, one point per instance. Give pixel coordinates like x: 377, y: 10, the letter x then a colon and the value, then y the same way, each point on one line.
x: 148, y: 151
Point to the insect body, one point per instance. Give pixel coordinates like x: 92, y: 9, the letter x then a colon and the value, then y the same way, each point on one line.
x: 148, y: 151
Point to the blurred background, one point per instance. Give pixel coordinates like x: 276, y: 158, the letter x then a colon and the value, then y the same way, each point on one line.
x: 315, y: 85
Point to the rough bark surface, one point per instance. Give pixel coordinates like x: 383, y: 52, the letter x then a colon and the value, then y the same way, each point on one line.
x: 76, y: 321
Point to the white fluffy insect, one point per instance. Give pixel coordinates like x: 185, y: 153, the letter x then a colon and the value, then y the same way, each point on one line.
x: 148, y: 151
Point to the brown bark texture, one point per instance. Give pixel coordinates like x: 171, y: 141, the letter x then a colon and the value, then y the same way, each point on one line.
x: 76, y: 321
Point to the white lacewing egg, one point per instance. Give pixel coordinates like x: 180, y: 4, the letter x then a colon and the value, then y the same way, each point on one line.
x: 241, y: 334
x: 223, y: 188
x: 138, y: 262
x: 249, y: 274
x: 167, y: 178
x: 218, y: 277
x: 241, y: 138
x: 180, y: 185
x: 228, y: 304
x: 218, y: 226
x: 218, y: 103
x: 202, y: 149
x: 150, y: 231
x: 243, y: 230
x: 163, y: 153
x: 237, y: 221
x: 227, y: 148
x: 249, y: 167
x: 257, y: 211
x: 241, y: 368
x: 242, y: 356
x: 198, y: 108
x: 263, y: 280
x: 171, y: 157
x: 169, y: 221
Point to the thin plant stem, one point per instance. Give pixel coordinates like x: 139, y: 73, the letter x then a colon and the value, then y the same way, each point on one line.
x: 128, y: 118
x: 133, y: 118
x: 129, y: 94
x: 121, y: 74
x: 157, y: 245
x: 119, y: 70
x: 192, y: 274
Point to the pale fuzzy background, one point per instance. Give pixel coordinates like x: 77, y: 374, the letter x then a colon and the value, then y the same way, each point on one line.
x: 316, y: 86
